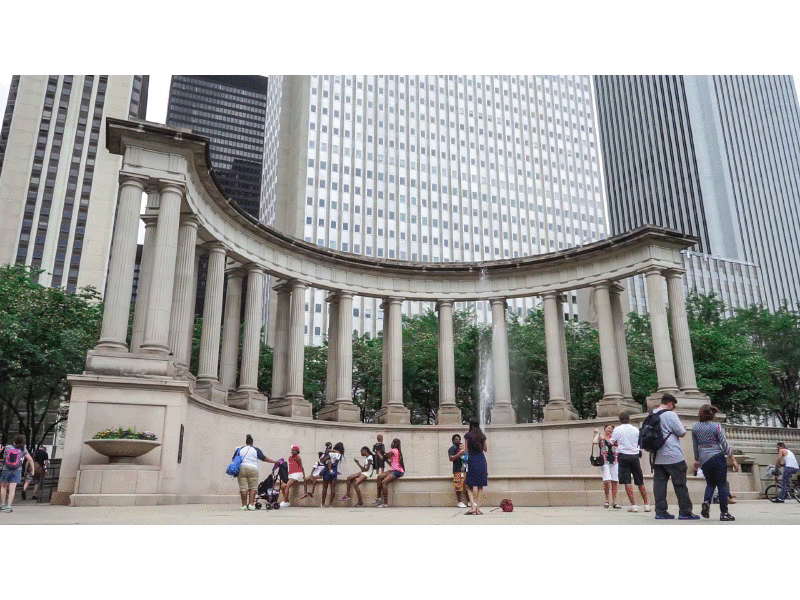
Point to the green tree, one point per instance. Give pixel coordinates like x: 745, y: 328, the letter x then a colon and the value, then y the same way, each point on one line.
x: 641, y: 360
x: 44, y: 335
x: 315, y: 372
x: 367, y: 374
x: 528, y: 366
x: 585, y: 371
x: 421, y: 366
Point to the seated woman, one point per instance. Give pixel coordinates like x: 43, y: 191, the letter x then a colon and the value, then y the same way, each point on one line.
x: 396, y: 470
x: 316, y: 472
x: 356, y: 479
x: 296, y: 474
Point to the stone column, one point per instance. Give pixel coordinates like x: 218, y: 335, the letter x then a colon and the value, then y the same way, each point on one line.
x: 332, y: 375
x: 165, y: 251
x: 502, y: 411
x: 340, y: 407
x: 615, y: 293
x: 281, y: 343
x: 182, y: 315
x: 294, y: 404
x: 207, y: 382
x: 559, y: 407
x: 146, y: 266
x: 393, y: 410
x: 684, y: 361
x: 562, y: 340
x: 662, y: 348
x: 119, y: 284
x: 448, y: 413
x: 230, y: 331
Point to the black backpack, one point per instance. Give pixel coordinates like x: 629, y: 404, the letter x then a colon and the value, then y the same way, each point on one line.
x: 651, y: 437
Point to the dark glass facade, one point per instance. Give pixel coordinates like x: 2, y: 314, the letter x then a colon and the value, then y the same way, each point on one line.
x: 230, y: 111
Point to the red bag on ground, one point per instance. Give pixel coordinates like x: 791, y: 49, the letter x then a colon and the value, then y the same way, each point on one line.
x: 506, y: 505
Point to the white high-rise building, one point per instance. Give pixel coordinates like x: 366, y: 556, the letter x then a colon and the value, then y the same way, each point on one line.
x: 432, y: 169
x: 58, y: 182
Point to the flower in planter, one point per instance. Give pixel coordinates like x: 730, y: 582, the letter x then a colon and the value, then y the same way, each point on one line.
x: 124, y: 434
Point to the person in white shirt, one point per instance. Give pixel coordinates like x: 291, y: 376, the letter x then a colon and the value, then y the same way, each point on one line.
x: 627, y: 438
x: 790, y: 467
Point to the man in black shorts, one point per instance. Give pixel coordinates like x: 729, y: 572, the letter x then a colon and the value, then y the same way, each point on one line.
x: 627, y: 438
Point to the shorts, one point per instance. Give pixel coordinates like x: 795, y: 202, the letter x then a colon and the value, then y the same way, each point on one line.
x: 326, y: 476
x: 398, y: 474
x: 247, y: 478
x: 379, y: 463
x: 296, y: 476
x: 629, y: 465
x: 611, y: 472
x: 458, y: 480
x: 14, y: 476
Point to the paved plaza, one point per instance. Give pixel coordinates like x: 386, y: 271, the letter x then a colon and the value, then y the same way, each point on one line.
x: 759, y: 512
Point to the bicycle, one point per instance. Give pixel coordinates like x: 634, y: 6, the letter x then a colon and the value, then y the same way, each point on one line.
x: 773, y: 490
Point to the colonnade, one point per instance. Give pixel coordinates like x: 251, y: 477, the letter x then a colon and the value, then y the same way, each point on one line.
x: 164, y: 311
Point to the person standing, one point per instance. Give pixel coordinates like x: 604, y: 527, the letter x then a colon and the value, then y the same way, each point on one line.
x: 454, y: 453
x: 40, y: 460
x: 248, y: 472
x: 15, y: 459
x: 669, y: 463
x: 789, y: 461
x: 710, y: 452
x: 608, y: 451
x: 477, y: 472
x: 626, y: 438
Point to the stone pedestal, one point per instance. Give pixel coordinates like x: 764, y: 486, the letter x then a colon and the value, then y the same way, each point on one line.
x: 690, y: 403
x: 503, y: 415
x: 118, y: 485
x: 558, y: 410
x: 340, y: 411
x: 248, y: 400
x: 394, y: 414
x: 449, y: 414
x: 211, y: 390
x: 102, y: 361
x: 290, y: 407
x: 613, y: 407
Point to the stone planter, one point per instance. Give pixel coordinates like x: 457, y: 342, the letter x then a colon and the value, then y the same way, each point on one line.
x: 122, y: 451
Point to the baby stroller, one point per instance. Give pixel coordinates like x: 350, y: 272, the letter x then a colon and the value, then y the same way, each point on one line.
x: 270, y: 489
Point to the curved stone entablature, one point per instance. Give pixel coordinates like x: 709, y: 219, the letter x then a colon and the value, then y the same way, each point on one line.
x: 158, y: 152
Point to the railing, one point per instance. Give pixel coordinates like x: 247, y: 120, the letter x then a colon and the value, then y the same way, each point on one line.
x: 747, y: 433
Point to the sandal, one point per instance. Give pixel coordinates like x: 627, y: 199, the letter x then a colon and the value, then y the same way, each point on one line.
x: 617, y: 506
x: 345, y: 498
x: 605, y: 505
x: 306, y: 495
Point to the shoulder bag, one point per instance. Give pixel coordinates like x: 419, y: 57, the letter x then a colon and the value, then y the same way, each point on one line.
x: 233, y: 468
x: 597, y: 461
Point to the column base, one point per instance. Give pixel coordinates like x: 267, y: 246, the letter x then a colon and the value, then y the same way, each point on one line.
x: 503, y: 415
x: 293, y: 406
x: 559, y: 410
x: 691, y: 402
x: 211, y: 390
x: 346, y: 412
x: 107, y: 361
x: 449, y: 414
x: 249, y: 400
x: 394, y: 414
x: 612, y: 407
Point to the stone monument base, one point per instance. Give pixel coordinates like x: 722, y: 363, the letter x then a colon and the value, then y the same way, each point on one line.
x: 394, y: 415
x: 211, y: 390
x: 248, y: 400
x: 346, y: 412
x: 560, y: 410
x: 503, y: 415
x: 690, y: 402
x: 614, y: 406
x: 449, y: 415
x: 290, y: 407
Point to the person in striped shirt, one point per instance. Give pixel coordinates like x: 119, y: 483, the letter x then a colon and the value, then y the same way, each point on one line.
x: 710, y: 451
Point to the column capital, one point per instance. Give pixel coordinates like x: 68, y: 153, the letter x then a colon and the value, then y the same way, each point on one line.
x: 254, y: 268
x: 214, y: 246
x: 674, y: 273
x: 190, y: 219
x: 551, y: 294
x: 616, y: 288
x: 609, y: 285
x: 235, y: 273
x: 494, y: 301
x: 449, y: 303
x: 133, y: 179
x: 296, y: 283
x: 653, y: 271
x: 149, y: 218
x: 388, y: 301
x: 332, y: 298
x: 173, y: 185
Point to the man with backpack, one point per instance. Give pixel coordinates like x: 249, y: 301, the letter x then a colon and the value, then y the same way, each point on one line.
x: 14, y: 458
x: 660, y: 435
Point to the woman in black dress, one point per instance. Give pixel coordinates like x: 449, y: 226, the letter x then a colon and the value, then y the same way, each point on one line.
x: 476, y: 470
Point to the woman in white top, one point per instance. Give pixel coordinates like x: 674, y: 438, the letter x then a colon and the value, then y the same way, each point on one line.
x: 356, y: 479
x: 248, y: 472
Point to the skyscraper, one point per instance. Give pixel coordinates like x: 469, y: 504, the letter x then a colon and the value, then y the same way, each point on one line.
x: 717, y: 157
x: 431, y: 168
x: 58, y: 183
x: 229, y: 110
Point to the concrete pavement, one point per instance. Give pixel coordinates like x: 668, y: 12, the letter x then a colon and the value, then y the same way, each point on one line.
x: 758, y: 512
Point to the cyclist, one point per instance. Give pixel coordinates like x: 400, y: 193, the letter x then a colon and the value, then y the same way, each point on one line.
x: 790, y: 467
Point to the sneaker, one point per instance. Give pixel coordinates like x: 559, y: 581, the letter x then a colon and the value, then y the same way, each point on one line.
x: 2, y: 507
x: 633, y: 508
x: 285, y: 505
x: 689, y: 517
x: 34, y: 498
x: 726, y: 517
x: 251, y: 507
x: 7, y: 509
x: 646, y: 508
x: 665, y: 515
x: 778, y: 501
x: 461, y: 505
x: 24, y: 496
x: 704, y: 510
x: 243, y: 508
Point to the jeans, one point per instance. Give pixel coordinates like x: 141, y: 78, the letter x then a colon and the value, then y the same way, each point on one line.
x: 788, y: 473
x: 715, y: 470
x: 676, y: 471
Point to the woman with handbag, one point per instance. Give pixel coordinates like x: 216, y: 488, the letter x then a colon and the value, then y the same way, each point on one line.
x: 248, y: 472
x: 477, y: 472
x: 610, y: 467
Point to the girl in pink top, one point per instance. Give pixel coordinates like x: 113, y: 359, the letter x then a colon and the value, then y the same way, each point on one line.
x: 395, y: 459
